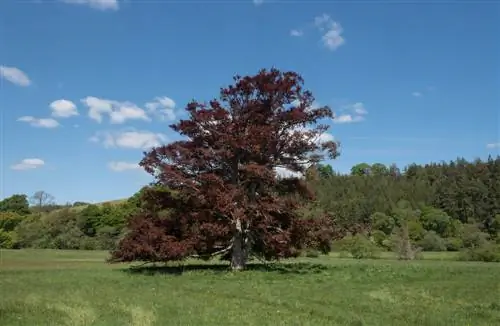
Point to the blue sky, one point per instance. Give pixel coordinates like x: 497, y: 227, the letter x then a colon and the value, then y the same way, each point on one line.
x: 88, y: 85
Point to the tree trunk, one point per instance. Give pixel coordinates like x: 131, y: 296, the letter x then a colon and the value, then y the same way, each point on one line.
x: 239, y: 252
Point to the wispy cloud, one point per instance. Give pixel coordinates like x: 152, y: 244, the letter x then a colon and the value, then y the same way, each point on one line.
x: 163, y: 107
x: 121, y: 166
x: 118, y: 111
x: 96, y: 4
x: 39, y: 122
x: 28, y: 164
x: 258, y: 2
x: 416, y: 94
x: 129, y: 139
x: 493, y: 145
x: 351, y: 113
x: 15, y: 76
x: 330, y: 30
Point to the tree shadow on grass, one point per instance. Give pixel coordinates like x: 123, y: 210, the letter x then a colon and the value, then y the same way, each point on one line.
x: 179, y: 269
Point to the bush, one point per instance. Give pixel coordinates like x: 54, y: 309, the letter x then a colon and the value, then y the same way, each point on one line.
x: 359, y: 246
x: 473, y: 237
x: 311, y: 253
x: 107, y: 237
x: 402, y: 245
x: 488, y: 252
x: 8, y: 240
x: 453, y: 244
x: 379, y: 237
x: 432, y: 242
x: 9, y: 221
x: 415, y: 230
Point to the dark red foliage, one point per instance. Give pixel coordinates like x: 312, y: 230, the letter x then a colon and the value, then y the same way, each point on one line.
x: 222, y: 181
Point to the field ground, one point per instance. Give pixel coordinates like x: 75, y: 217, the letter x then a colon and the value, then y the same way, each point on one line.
x: 48, y: 287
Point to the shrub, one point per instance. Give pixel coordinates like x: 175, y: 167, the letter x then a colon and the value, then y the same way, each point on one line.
x: 488, y: 252
x: 379, y: 237
x: 402, y: 245
x: 415, y: 230
x: 473, y: 237
x: 432, y: 242
x: 8, y: 240
x: 382, y: 222
x: 359, y: 246
x: 311, y: 253
x: 107, y: 237
x: 453, y: 244
x: 9, y: 221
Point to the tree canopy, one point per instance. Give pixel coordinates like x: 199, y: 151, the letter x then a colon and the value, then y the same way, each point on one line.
x: 223, y: 191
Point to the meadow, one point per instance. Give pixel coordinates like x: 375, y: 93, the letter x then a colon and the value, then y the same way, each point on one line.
x: 56, y: 287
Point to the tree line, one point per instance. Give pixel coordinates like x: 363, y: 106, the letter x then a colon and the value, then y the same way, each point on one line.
x: 448, y: 206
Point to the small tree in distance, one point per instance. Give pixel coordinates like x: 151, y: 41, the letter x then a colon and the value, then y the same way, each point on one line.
x: 220, y: 185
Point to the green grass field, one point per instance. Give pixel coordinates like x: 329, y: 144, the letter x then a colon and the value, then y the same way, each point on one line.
x: 47, y: 287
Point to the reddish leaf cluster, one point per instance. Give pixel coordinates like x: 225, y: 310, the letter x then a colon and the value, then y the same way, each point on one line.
x: 223, y: 191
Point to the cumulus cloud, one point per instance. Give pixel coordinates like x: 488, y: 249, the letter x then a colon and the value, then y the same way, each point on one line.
x: 96, y: 4
x: 163, y: 106
x: 331, y: 32
x: 39, y: 122
x: 28, y: 164
x: 129, y: 139
x: 123, y: 166
x: 118, y: 112
x: 63, y: 108
x: 493, y: 145
x: 15, y: 76
x: 351, y: 113
x: 347, y: 118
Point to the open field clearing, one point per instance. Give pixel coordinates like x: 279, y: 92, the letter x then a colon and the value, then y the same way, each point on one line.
x: 49, y: 287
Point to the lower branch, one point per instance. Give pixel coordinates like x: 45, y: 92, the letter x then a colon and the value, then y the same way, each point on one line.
x: 220, y: 252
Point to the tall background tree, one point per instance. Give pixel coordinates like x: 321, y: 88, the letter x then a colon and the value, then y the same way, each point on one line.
x: 41, y: 199
x: 222, y: 190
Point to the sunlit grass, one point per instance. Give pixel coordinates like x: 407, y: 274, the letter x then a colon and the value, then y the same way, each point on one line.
x: 49, y: 287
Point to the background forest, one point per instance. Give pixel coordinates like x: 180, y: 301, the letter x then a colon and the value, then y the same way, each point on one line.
x: 448, y: 206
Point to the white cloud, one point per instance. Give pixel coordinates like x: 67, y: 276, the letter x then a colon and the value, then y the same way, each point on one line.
x: 129, y: 139
x: 258, y: 2
x: 347, y: 118
x: 324, y: 137
x: 15, y: 76
x: 351, y: 113
x: 118, y: 112
x: 128, y: 111
x: 42, y: 122
x: 285, y: 173
x: 63, y: 108
x: 332, y: 32
x: 96, y: 4
x: 416, y: 94
x: 163, y: 106
x: 28, y: 163
x: 493, y: 145
x: 359, y: 108
x: 123, y: 166
x: 296, y: 32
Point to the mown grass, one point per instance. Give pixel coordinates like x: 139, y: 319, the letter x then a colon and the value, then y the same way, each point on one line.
x: 48, y: 287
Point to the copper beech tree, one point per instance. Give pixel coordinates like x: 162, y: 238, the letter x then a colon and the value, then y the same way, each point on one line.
x: 217, y: 191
